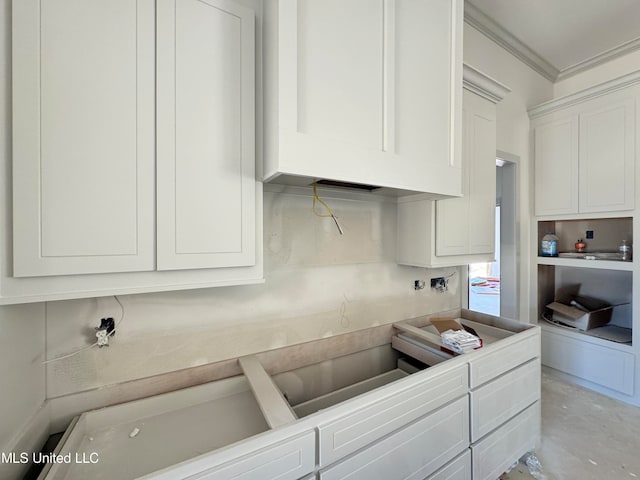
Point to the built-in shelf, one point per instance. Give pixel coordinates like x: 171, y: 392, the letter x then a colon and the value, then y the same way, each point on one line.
x: 582, y: 263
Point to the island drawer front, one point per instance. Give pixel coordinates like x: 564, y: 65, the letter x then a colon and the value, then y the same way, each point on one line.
x: 290, y: 459
x: 414, y: 452
x: 457, y: 469
x: 496, y: 402
x: 501, y: 360
x: 378, y: 418
x: 496, y: 452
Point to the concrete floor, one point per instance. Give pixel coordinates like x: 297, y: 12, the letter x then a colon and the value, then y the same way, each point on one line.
x: 585, y: 436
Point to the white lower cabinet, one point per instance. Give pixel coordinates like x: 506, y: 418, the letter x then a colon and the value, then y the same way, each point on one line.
x: 415, y: 451
x: 495, y: 453
x: 496, y: 402
x: 424, y: 423
x: 585, y: 358
x: 288, y: 460
x: 457, y: 469
x: 489, y: 366
x: 345, y: 435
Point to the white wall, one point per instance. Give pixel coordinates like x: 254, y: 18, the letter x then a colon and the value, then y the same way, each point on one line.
x: 528, y: 88
x: 602, y: 73
x: 22, y: 344
x: 318, y: 284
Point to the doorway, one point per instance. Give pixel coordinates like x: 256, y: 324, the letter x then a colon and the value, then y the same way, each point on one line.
x: 492, y: 287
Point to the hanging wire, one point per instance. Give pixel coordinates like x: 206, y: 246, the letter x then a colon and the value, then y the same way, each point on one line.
x: 316, y: 198
x: 95, y: 343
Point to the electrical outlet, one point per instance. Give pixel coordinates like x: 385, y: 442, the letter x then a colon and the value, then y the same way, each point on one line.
x: 439, y: 284
x: 418, y: 284
x: 589, y: 234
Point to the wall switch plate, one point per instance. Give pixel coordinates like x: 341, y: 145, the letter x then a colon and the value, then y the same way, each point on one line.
x: 589, y: 234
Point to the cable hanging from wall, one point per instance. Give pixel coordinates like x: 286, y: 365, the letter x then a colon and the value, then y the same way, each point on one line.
x: 102, y: 333
x: 317, y: 199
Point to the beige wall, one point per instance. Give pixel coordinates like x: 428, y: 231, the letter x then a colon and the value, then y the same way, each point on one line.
x: 528, y: 88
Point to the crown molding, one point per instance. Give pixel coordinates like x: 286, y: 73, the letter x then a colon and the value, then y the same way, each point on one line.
x: 485, y: 25
x: 586, y: 94
x: 601, y: 58
x: 477, y: 82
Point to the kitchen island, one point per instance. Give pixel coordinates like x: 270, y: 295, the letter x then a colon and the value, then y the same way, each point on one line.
x: 395, y: 406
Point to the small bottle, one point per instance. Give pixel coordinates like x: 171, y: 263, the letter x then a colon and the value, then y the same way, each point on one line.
x: 549, y: 245
x: 625, y: 251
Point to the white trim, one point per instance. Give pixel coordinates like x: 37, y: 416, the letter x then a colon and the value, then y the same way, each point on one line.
x: 586, y: 94
x: 604, y: 57
x: 485, y: 25
x: 488, y: 27
x: 481, y: 84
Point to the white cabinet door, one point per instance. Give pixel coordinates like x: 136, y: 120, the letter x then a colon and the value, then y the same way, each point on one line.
x: 607, y: 156
x: 206, y: 144
x: 585, y: 157
x: 556, y: 166
x: 466, y: 226
x: 496, y: 452
x: 83, y: 136
x: 611, y: 368
x: 413, y: 452
x: 366, y: 92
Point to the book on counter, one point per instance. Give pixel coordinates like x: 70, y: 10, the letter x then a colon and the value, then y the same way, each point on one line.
x: 455, y: 337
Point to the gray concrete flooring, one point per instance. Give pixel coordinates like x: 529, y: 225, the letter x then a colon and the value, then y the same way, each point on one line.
x: 585, y: 436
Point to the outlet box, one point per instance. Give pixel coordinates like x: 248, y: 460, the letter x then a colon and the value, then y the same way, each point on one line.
x: 439, y: 284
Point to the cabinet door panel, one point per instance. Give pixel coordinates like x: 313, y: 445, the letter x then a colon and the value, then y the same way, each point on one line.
x: 331, y: 79
x: 482, y: 178
x: 413, y: 452
x: 604, y: 366
x: 466, y: 226
x: 496, y: 452
x: 499, y: 400
x: 83, y: 98
x: 206, y: 146
x: 378, y: 107
x: 607, y: 157
x: 556, y: 166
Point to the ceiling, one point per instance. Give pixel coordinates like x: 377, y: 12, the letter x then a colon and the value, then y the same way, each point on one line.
x: 561, y: 37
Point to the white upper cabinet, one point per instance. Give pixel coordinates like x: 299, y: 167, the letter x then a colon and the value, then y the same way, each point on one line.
x: 134, y: 159
x: 607, y: 155
x: 364, y: 92
x: 585, y: 153
x: 556, y: 165
x: 458, y: 231
x: 83, y: 136
x: 206, y: 147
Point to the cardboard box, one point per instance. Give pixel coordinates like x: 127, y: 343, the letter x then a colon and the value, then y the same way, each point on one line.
x: 583, y: 313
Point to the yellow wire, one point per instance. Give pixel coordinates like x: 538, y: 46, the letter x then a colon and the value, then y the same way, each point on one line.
x: 316, y: 198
